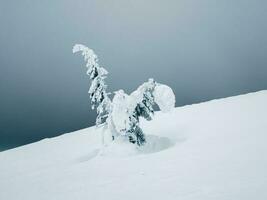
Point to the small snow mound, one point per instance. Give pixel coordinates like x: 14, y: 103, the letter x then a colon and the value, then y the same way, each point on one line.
x: 119, y: 148
x: 122, y: 148
x: 164, y: 97
x: 155, y: 144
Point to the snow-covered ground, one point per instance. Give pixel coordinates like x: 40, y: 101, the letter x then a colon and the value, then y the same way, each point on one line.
x: 213, y: 150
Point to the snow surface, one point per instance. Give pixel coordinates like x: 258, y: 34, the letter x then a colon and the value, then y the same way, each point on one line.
x: 164, y: 97
x: 213, y: 150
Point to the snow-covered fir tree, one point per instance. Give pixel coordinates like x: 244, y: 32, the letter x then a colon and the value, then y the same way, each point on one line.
x: 97, y: 91
x: 144, y: 108
x: 122, y: 115
x: 125, y: 117
x: 127, y: 109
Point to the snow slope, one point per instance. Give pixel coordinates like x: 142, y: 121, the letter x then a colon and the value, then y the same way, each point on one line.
x: 213, y: 150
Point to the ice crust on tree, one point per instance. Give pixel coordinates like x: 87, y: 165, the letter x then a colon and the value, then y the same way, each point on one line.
x: 138, y: 94
x: 98, y: 95
x: 164, y: 97
x: 122, y: 106
x: 122, y: 115
x: 127, y: 109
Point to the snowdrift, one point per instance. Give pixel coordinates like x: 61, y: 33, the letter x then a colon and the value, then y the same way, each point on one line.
x: 213, y: 150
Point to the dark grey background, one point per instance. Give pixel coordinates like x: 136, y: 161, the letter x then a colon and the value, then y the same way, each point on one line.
x: 203, y: 49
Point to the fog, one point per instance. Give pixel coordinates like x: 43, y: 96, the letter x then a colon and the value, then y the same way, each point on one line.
x: 203, y: 49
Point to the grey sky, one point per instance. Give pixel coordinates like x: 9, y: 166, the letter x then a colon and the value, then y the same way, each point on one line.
x: 203, y: 49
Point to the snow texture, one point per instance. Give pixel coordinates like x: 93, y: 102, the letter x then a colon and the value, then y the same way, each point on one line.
x: 213, y: 150
x: 97, y: 91
x: 122, y: 106
x: 164, y: 97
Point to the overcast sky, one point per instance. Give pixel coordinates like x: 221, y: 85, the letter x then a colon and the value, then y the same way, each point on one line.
x: 203, y: 49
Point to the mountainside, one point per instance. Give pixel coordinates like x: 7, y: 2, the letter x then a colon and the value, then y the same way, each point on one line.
x: 212, y: 150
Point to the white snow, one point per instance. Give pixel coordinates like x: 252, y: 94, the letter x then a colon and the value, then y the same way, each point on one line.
x: 122, y: 106
x: 213, y: 150
x: 138, y: 94
x: 164, y: 97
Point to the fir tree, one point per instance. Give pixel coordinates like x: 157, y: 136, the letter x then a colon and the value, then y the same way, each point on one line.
x: 122, y: 115
x: 97, y: 91
x: 144, y: 108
